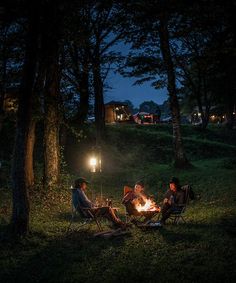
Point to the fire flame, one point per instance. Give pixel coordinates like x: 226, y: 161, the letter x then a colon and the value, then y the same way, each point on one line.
x: 149, y: 205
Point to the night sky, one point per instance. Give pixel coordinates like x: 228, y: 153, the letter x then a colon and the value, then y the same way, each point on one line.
x: 123, y: 89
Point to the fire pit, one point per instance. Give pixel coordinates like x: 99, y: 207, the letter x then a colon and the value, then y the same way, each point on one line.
x: 148, y: 208
x: 145, y: 204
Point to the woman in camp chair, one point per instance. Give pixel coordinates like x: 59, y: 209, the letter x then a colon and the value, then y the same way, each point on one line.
x: 82, y: 203
x: 136, y: 197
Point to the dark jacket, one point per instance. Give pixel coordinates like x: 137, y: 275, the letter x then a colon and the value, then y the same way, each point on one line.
x: 178, y: 196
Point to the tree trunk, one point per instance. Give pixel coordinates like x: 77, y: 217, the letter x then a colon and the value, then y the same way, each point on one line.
x: 179, y: 154
x: 51, y: 97
x: 20, y: 213
x: 204, y: 114
x: 84, y: 95
x: 230, y: 72
x: 37, y: 90
x: 3, y: 82
x: 207, y: 102
x: 1, y: 110
x: 229, y: 117
x: 29, y: 159
x: 51, y: 128
x: 99, y: 101
x: 230, y: 98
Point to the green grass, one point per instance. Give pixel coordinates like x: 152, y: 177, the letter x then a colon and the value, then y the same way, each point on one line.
x: 203, y: 250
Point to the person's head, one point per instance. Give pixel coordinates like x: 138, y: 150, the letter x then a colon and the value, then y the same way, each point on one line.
x: 174, y: 184
x: 139, y: 187
x: 81, y: 183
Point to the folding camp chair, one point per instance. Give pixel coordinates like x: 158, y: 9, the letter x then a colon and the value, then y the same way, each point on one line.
x: 128, y: 216
x: 86, y: 215
x: 179, y: 214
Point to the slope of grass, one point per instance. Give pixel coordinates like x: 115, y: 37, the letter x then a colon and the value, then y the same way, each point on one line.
x: 203, y: 250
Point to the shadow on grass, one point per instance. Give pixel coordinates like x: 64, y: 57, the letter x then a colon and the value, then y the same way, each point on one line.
x: 187, y: 232
x: 182, y: 233
x: 79, y: 257
x: 79, y: 222
x: 228, y: 224
x: 176, y: 236
x: 39, y: 258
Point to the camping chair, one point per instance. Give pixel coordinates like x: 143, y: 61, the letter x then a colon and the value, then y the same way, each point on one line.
x: 129, y: 216
x: 179, y: 214
x: 86, y: 215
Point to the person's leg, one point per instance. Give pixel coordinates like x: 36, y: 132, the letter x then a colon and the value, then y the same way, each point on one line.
x: 109, y: 213
x: 131, y: 209
x: 166, y: 212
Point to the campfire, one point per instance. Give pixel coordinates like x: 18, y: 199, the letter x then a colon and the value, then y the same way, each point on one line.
x: 149, y: 205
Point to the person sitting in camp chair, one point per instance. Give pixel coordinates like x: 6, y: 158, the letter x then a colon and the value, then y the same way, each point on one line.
x: 85, y: 206
x: 135, y: 200
x: 174, y: 200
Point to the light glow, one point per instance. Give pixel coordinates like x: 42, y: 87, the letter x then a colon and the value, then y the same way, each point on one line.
x: 149, y: 205
x: 93, y: 161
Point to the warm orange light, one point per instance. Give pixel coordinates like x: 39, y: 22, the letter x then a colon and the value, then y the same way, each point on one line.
x: 149, y: 205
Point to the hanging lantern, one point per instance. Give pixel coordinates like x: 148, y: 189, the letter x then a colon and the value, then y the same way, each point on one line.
x: 95, y: 161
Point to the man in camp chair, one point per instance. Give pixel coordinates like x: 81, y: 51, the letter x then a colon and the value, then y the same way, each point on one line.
x: 85, y: 207
x: 134, y: 201
x: 174, y: 200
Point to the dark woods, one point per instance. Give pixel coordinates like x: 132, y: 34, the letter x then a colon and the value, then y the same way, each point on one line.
x: 56, y: 56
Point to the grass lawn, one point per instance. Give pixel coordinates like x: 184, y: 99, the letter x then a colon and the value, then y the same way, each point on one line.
x: 202, y: 250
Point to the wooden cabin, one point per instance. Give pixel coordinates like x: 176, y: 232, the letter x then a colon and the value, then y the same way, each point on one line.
x: 117, y: 112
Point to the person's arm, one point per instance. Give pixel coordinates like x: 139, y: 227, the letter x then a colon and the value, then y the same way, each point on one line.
x: 127, y: 198
x: 75, y: 198
x: 167, y: 197
x: 180, y: 198
x: 84, y: 201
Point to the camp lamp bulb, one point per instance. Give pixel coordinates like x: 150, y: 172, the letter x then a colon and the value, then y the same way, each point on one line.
x: 93, y: 164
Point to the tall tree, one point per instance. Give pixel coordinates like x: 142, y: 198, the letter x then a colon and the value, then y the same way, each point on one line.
x: 3, y: 72
x: 150, y: 107
x: 180, y: 158
x: 20, y: 215
x: 150, y: 34
x: 203, y: 45
x: 76, y: 63
x: 106, y: 31
x: 50, y: 48
x: 12, y: 46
